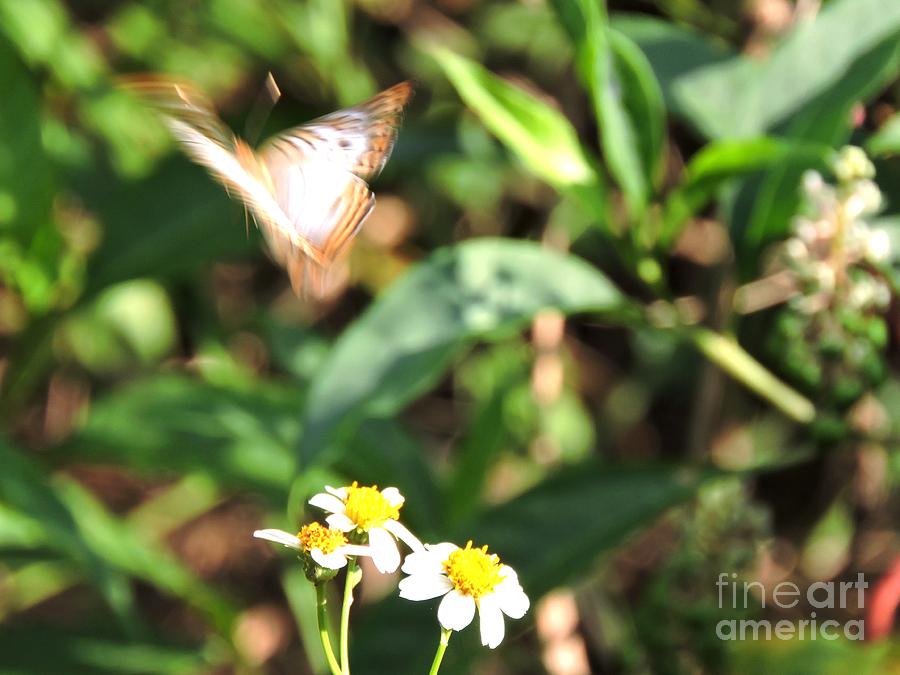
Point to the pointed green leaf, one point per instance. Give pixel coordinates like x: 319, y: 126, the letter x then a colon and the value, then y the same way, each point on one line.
x: 406, y: 339
x: 745, y: 96
x: 538, y: 134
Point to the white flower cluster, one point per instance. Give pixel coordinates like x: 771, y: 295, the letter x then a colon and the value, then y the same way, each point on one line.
x: 363, y: 521
x: 836, y: 237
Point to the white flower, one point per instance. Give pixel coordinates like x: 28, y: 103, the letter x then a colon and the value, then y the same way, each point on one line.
x: 878, y: 246
x: 469, y: 579
x: 327, y: 547
x: 852, y: 164
x: 373, y: 511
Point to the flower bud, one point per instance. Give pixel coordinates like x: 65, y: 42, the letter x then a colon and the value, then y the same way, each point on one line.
x: 852, y: 164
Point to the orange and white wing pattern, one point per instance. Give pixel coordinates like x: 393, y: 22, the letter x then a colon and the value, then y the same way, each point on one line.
x: 306, y: 189
x: 183, y: 102
x: 318, y: 172
x: 194, y: 123
x: 325, y: 204
x: 360, y: 138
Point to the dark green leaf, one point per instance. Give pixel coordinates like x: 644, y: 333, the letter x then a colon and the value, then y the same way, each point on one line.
x: 50, y: 650
x: 585, y: 20
x: 720, y: 162
x: 52, y: 526
x: 671, y: 50
x: 30, y: 242
x: 826, y: 120
x: 173, y: 423
x: 555, y: 532
x: 122, y: 548
x: 403, y: 343
x: 166, y: 225
x: 744, y: 97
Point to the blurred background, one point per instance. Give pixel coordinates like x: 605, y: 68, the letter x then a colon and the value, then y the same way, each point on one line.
x: 603, y: 319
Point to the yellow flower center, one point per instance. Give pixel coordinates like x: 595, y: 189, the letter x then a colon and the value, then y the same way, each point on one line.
x: 473, y: 571
x: 367, y: 507
x: 325, y: 539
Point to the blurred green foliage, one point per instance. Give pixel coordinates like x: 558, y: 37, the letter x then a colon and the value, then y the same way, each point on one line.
x: 528, y: 344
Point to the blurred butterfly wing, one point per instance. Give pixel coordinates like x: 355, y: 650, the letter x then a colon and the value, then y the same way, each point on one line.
x: 318, y: 172
x: 306, y: 188
x: 206, y: 140
x: 360, y: 138
x: 325, y: 203
x: 350, y: 209
x: 182, y: 102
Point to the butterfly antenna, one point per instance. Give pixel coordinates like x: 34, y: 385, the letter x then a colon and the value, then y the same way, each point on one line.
x: 261, y: 109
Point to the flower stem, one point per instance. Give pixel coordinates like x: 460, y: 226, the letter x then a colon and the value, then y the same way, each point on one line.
x: 731, y: 357
x: 439, y: 654
x: 354, y: 574
x: 322, y: 615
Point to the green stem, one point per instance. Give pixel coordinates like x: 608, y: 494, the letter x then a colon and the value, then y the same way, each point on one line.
x: 731, y: 357
x: 439, y: 654
x: 322, y: 615
x: 354, y: 574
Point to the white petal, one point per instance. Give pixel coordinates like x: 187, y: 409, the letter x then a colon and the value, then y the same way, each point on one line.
x: 456, y: 610
x: 340, y: 493
x: 393, y: 496
x: 429, y: 561
x: 333, y: 561
x: 399, y: 530
x: 328, y: 503
x: 424, y: 586
x: 512, y: 600
x: 509, y: 574
x: 490, y: 619
x: 510, y: 594
x: 355, y: 549
x: 384, y: 550
x: 442, y: 550
x: 339, y: 521
x: 423, y: 562
x: 279, y: 537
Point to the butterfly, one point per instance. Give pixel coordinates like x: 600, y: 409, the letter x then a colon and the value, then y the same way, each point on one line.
x: 306, y: 188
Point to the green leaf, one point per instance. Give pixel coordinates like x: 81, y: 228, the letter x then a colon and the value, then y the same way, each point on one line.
x: 25, y: 172
x: 121, y: 547
x: 167, y: 225
x: 93, y: 650
x: 826, y: 120
x: 720, y: 162
x: 555, y: 532
x: 541, y: 136
x: 242, y: 438
x: 30, y: 243
x: 490, y: 377
x: 74, y: 524
x: 886, y: 141
x: 744, y: 96
x: 47, y: 523
x: 624, y: 94
x: 406, y: 339
x: 671, y: 50
x: 799, y: 656
x: 643, y: 98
